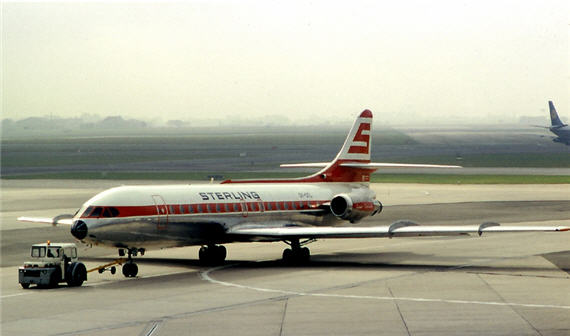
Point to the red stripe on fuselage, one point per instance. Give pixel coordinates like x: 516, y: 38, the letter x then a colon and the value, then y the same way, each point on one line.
x: 212, y: 208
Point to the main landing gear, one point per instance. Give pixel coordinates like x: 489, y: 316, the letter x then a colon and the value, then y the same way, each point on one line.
x: 296, y: 254
x: 130, y: 268
x: 212, y: 254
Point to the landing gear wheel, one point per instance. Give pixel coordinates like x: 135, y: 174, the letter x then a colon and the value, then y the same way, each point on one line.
x: 130, y: 270
x: 221, y: 253
x: 296, y: 256
x: 305, y: 255
x: 212, y: 255
x: 287, y: 255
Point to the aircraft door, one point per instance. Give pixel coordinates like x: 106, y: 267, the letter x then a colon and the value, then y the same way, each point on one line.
x: 243, y: 208
x: 162, y: 212
x: 260, y: 206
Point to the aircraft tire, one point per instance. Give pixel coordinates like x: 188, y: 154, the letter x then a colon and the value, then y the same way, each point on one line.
x: 305, y: 255
x: 25, y: 285
x: 287, y: 255
x: 204, y: 255
x: 221, y: 254
x: 212, y: 255
x: 130, y: 270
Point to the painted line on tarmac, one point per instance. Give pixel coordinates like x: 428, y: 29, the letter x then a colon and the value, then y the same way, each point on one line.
x: 205, y: 275
x: 13, y: 295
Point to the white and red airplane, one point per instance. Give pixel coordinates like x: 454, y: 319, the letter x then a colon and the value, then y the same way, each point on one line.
x: 296, y: 211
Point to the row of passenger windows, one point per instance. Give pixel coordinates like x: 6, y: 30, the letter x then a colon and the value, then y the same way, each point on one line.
x: 237, y: 207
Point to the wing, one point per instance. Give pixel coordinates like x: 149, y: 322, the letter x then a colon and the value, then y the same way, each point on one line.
x: 397, y: 229
x: 57, y: 220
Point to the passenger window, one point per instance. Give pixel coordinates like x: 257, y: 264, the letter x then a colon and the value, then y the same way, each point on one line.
x: 217, y: 207
x: 190, y: 208
x: 96, y: 212
x: 236, y: 208
x: 268, y: 206
x: 171, y: 209
x: 181, y: 209
x: 227, y: 207
x: 199, y: 207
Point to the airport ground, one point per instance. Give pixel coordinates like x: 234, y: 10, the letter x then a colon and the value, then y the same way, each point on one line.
x: 501, y: 284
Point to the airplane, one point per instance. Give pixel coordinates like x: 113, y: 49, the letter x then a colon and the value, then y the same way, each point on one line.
x: 297, y: 211
x: 557, y: 127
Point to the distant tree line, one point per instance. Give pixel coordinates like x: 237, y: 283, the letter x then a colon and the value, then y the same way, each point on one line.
x: 43, y: 123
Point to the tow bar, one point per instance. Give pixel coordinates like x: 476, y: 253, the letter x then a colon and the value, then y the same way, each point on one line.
x: 109, y: 267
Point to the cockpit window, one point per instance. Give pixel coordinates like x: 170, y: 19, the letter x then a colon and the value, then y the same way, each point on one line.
x: 110, y: 212
x: 96, y: 212
x: 87, y: 212
x: 114, y: 212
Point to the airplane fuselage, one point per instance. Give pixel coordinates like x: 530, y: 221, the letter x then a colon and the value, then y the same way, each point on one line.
x: 179, y: 215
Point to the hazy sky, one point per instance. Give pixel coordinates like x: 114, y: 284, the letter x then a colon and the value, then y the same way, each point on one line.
x: 405, y: 60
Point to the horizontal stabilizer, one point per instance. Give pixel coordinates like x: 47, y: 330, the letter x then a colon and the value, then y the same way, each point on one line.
x: 305, y: 165
x: 373, y: 165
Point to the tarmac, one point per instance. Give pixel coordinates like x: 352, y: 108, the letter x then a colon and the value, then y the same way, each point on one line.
x: 500, y: 284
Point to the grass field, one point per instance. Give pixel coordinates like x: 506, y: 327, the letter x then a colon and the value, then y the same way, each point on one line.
x: 544, y: 160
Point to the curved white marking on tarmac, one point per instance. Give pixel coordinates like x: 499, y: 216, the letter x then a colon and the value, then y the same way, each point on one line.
x: 205, y: 275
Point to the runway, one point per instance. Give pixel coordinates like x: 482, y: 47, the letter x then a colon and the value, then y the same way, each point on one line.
x: 503, y: 284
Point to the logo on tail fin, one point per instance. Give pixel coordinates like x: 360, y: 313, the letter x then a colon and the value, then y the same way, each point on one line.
x: 357, y: 144
x: 361, y: 140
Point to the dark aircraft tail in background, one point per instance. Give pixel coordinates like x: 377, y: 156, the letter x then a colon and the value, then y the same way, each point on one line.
x: 556, y: 122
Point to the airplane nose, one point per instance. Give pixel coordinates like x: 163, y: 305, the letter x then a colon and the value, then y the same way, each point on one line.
x: 79, y: 229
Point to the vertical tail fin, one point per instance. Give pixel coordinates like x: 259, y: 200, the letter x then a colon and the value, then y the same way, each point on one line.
x: 357, y: 146
x: 554, y: 115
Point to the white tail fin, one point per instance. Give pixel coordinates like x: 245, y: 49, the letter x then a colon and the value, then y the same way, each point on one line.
x: 358, y: 145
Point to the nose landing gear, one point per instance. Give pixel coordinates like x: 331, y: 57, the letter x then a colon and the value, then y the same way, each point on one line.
x: 130, y: 268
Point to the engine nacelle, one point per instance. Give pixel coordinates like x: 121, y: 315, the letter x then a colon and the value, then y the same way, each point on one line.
x: 354, y: 208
